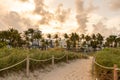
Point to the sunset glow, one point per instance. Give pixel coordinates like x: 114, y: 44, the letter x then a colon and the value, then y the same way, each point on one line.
x: 60, y: 16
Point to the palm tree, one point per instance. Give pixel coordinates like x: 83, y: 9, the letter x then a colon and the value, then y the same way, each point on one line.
x: 111, y: 40
x: 37, y: 36
x: 43, y: 44
x: 66, y: 36
x: 49, y: 41
x: 67, y: 41
x: 93, y: 37
x: 68, y: 44
x: 49, y: 36
x: 100, y: 39
x: 94, y: 42
x: 118, y: 41
x: 82, y: 40
x: 87, y: 38
x: 29, y: 36
x: 56, y: 40
x: 15, y: 38
x: 82, y: 37
x: 74, y: 39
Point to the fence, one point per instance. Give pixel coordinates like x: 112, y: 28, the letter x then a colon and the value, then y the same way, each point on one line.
x: 27, y: 59
x: 114, y: 68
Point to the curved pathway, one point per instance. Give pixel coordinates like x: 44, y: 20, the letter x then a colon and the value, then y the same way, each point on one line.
x: 75, y: 70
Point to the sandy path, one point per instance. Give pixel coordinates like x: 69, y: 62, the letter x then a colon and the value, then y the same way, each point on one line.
x: 75, y: 70
x: 78, y: 70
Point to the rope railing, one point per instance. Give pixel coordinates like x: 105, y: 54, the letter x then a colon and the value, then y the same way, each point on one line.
x: 40, y: 60
x: 115, y: 69
x: 12, y: 65
x: 60, y: 57
x: 27, y: 59
x: 32, y: 60
x: 102, y: 65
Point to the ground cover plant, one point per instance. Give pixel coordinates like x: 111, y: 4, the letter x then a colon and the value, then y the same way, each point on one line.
x: 107, y: 57
x: 11, y: 56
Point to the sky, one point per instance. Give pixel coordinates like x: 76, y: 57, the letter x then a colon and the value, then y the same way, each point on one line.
x: 61, y: 16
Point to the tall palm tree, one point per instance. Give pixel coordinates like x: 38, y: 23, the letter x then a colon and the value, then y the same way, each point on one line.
x: 37, y: 36
x: 67, y: 41
x: 74, y: 39
x: 82, y: 37
x: 111, y: 40
x: 100, y: 39
x: 49, y: 36
x: 50, y: 40
x: 118, y: 41
x: 15, y: 38
x: 94, y: 42
x: 56, y: 40
x: 93, y: 37
x: 66, y: 36
x: 87, y: 38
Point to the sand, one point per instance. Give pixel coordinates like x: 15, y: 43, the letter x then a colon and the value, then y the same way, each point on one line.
x: 74, y: 70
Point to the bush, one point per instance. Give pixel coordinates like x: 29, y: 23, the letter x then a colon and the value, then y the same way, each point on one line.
x: 107, y: 57
x: 11, y: 56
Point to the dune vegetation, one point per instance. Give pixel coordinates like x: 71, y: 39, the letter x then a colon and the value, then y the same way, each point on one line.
x: 11, y: 56
x: 107, y: 57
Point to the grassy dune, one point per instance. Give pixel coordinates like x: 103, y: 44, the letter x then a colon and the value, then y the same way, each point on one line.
x: 107, y: 57
x: 12, y: 56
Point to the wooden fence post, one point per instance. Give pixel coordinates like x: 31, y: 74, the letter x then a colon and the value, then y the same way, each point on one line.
x: 67, y: 57
x: 27, y: 66
x: 53, y: 60
x: 93, y: 68
x: 115, y: 74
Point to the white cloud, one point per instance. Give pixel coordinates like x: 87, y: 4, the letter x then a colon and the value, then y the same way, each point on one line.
x: 114, y: 4
x: 113, y: 22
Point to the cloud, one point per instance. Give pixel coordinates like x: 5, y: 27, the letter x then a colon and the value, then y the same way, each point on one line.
x: 114, y: 4
x: 24, y: 0
x: 62, y: 14
x: 101, y: 28
x: 113, y: 22
x: 14, y: 20
x: 41, y: 9
x: 82, y: 13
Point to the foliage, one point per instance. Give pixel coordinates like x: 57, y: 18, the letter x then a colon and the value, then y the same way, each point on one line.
x: 107, y: 57
x: 11, y: 56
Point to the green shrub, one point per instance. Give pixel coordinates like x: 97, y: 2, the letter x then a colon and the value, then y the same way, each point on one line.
x: 11, y: 56
x: 107, y: 57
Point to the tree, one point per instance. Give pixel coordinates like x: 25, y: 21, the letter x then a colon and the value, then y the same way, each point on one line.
x: 68, y: 44
x: 93, y: 37
x: 29, y: 34
x: 118, y: 41
x: 111, y: 40
x: 100, y: 39
x: 82, y: 37
x: 94, y: 42
x: 56, y: 40
x: 88, y: 39
x: 32, y: 35
x: 74, y: 39
x: 49, y: 36
x: 49, y: 41
x: 66, y: 36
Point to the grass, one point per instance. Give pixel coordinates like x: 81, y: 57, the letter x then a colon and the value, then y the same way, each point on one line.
x: 107, y: 57
x: 11, y: 56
